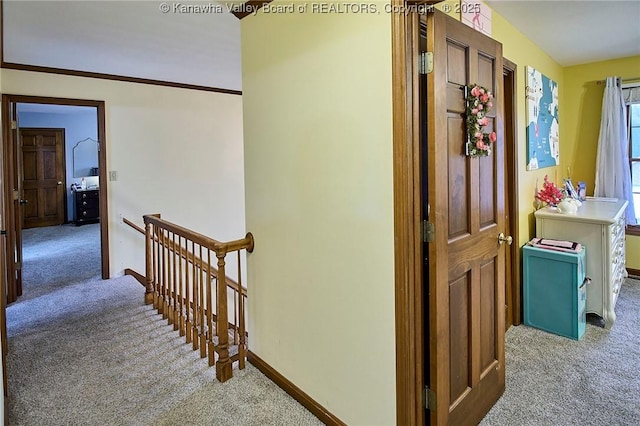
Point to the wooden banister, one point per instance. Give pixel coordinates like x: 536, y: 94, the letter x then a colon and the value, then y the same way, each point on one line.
x: 185, y: 285
x: 231, y: 283
x: 133, y: 225
x: 202, y: 240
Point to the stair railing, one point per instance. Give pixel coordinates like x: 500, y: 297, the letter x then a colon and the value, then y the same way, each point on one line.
x: 186, y: 282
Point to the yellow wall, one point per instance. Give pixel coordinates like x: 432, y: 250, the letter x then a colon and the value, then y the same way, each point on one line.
x: 633, y: 252
x: 583, y: 108
x: 520, y: 50
x: 177, y: 152
x: 319, y: 197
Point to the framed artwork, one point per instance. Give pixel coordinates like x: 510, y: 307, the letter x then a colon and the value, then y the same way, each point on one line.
x: 543, y: 137
x: 476, y: 14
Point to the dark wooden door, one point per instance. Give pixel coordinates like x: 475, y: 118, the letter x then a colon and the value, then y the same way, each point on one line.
x: 7, y: 273
x: 11, y: 216
x: 466, y: 205
x: 43, y: 177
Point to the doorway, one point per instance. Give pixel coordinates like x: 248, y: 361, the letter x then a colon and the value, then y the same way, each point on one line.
x: 37, y: 112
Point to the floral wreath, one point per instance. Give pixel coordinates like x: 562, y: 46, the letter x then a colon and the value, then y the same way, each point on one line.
x: 478, y: 105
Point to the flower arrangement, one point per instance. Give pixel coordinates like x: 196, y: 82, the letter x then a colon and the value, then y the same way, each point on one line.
x: 478, y: 105
x: 550, y: 194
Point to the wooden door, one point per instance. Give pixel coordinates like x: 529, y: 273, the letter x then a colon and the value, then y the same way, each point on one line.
x: 43, y: 177
x: 466, y: 204
x: 5, y: 260
x: 11, y: 217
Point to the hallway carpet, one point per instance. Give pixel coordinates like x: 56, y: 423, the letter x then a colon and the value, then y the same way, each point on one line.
x: 83, y: 351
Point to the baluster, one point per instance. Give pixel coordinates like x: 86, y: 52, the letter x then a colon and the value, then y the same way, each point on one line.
x: 210, y: 311
x: 166, y: 272
x: 240, y: 326
x: 156, y: 269
x: 169, y: 296
x: 174, y: 286
x: 196, y: 284
x: 148, y: 295
x: 181, y: 288
x: 203, y: 282
x: 236, y: 338
x: 223, y: 366
x: 161, y: 276
x: 188, y: 301
x: 236, y: 307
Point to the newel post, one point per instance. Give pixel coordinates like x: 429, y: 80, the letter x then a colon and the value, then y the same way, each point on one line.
x: 223, y: 366
x: 149, y: 290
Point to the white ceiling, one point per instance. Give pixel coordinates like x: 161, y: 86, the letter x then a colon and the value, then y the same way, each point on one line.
x: 137, y: 39
x: 577, y: 32
x: 129, y: 38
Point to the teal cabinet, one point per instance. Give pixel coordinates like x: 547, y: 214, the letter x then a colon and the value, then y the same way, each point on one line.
x: 554, y: 291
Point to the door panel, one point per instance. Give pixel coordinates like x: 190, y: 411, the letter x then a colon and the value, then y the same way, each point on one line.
x: 466, y: 262
x: 43, y: 176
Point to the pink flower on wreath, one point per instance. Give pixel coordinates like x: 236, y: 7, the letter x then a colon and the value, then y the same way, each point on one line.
x: 478, y: 101
x: 493, y: 137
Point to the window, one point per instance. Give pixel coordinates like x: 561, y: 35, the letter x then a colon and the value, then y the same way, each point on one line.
x: 634, y: 155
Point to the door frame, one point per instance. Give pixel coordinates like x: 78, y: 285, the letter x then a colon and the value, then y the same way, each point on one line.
x: 8, y: 99
x: 513, y: 280
x: 409, y: 310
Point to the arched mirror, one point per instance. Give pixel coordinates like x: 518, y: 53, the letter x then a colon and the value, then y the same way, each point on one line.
x: 85, y: 158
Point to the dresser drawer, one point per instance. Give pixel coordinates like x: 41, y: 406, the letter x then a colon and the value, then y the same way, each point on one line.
x: 84, y: 195
x: 86, y: 206
x: 88, y: 203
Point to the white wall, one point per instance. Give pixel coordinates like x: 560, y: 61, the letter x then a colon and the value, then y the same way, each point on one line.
x: 319, y: 194
x: 78, y: 126
x: 177, y: 152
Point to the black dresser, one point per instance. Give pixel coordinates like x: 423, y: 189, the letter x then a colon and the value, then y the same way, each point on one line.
x: 86, y: 206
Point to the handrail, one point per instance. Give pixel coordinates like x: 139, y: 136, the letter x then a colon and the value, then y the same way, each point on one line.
x: 191, y: 257
x: 133, y: 225
x: 204, y: 241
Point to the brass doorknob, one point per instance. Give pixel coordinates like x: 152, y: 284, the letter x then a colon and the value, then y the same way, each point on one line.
x: 502, y: 239
x: 59, y: 182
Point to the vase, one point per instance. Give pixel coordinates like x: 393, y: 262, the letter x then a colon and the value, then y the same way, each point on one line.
x: 567, y: 207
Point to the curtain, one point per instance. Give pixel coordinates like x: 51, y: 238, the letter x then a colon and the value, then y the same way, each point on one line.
x: 631, y: 95
x: 613, y: 176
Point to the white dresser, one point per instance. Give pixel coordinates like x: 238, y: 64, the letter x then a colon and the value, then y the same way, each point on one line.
x: 599, y: 226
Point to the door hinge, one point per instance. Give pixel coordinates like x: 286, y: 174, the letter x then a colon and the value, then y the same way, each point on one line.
x: 428, y: 232
x: 14, y: 124
x: 16, y: 195
x: 429, y: 399
x: 425, y: 63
